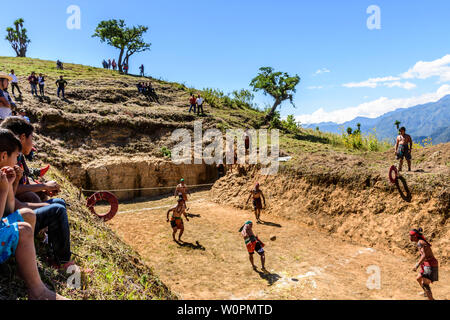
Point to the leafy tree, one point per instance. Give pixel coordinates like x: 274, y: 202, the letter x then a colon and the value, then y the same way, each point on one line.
x: 397, y: 123
x: 349, y: 131
x: 243, y: 97
x: 18, y: 38
x: 279, y: 85
x: 359, y: 127
x: 290, y: 124
x: 128, y: 40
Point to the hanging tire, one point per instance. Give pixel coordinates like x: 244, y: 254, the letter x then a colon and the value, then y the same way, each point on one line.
x: 106, y: 196
x: 393, y: 174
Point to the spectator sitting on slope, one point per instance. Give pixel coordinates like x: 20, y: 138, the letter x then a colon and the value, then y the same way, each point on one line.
x: 51, y: 214
x: 17, y: 227
x: 5, y: 100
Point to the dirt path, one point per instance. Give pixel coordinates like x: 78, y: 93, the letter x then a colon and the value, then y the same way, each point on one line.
x: 303, y: 263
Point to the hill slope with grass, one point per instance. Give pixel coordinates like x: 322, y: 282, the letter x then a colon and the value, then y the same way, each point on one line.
x: 105, y: 125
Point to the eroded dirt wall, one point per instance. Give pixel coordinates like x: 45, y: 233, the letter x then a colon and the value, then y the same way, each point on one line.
x: 369, y: 214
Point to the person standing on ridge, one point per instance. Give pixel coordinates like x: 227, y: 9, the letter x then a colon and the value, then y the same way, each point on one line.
x: 14, y: 83
x: 141, y: 68
x: 33, y: 80
x: 193, y: 103
x: 403, y: 148
x: 61, y: 84
x: 199, y: 102
x: 41, y: 82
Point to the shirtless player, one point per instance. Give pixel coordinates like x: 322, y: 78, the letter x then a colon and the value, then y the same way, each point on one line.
x: 403, y: 148
x: 429, y: 272
x: 183, y: 190
x: 257, y: 193
x: 176, y: 221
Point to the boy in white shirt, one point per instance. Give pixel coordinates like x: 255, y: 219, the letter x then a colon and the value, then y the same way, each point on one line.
x: 200, y: 105
x: 14, y: 83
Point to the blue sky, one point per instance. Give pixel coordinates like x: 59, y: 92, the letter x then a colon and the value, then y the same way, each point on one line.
x: 222, y: 44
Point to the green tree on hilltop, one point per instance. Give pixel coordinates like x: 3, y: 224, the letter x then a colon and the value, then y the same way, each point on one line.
x: 128, y: 40
x: 279, y: 85
x: 397, y: 123
x: 18, y: 38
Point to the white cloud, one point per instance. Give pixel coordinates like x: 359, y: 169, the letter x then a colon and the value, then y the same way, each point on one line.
x: 372, y: 109
x: 315, y: 87
x: 373, y: 83
x: 321, y: 71
x: 421, y: 70
x: 405, y: 85
x: 426, y: 69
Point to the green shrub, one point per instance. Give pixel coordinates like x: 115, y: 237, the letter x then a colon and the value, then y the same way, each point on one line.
x: 166, y: 152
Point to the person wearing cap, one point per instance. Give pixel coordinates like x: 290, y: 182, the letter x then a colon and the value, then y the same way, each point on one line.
x: 253, y: 243
x: 14, y: 83
x: 23, y: 114
x: 429, y: 266
x: 183, y: 190
x: 176, y: 221
x: 5, y: 100
x: 257, y: 193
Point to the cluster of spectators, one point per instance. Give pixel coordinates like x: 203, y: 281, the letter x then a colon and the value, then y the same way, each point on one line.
x: 28, y: 207
x: 36, y: 81
x: 59, y: 65
x: 110, y: 64
x: 196, y: 104
x: 147, y: 90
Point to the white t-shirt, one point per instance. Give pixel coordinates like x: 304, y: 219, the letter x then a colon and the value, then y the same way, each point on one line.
x: 200, y: 101
x: 41, y: 80
x: 14, y: 78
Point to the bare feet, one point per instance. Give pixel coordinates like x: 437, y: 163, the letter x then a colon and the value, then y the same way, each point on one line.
x: 44, y: 294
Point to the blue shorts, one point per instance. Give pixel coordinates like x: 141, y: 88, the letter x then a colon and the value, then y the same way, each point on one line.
x: 9, y: 235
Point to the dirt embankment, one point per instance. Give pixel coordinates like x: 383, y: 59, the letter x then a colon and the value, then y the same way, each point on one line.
x: 364, y: 209
x: 157, y: 176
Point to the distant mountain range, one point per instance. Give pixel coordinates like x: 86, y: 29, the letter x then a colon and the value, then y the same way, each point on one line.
x: 431, y: 120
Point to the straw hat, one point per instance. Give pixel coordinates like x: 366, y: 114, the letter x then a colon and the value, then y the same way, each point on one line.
x: 5, y: 76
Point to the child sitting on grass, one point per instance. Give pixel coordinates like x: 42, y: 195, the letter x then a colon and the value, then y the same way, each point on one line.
x: 17, y: 228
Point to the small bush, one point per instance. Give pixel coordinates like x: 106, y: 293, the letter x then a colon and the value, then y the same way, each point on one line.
x: 166, y: 152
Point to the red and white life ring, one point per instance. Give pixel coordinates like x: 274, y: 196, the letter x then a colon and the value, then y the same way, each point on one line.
x: 107, y: 196
x: 393, y: 170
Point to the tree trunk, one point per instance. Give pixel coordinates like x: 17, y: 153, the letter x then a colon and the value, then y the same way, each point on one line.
x: 120, y: 60
x: 272, y: 111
